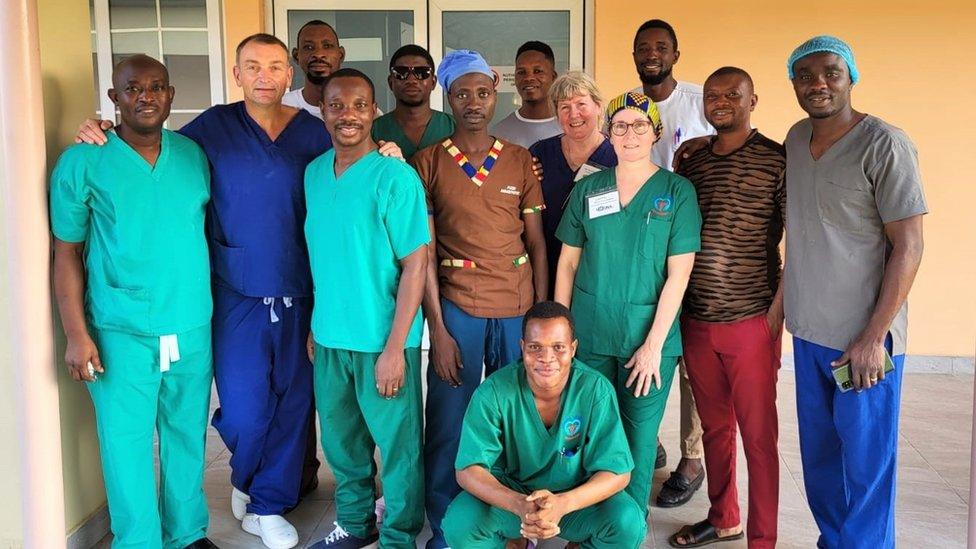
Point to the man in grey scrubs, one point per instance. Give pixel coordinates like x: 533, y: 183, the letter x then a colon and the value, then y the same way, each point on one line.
x: 854, y: 244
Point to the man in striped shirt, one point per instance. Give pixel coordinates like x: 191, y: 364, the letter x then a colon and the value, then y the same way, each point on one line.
x: 733, y: 310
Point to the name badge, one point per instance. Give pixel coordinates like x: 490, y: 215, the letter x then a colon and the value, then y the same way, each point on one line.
x: 604, y: 203
x: 587, y: 169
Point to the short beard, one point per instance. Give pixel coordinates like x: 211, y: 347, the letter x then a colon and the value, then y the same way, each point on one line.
x: 654, y: 80
x: 315, y: 79
x: 727, y: 126
x: 410, y: 102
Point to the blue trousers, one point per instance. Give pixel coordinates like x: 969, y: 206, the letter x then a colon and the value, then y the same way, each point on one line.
x: 848, y: 446
x: 493, y: 342
x: 264, y: 383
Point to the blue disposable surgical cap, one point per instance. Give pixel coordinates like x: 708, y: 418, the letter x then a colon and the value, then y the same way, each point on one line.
x: 828, y: 44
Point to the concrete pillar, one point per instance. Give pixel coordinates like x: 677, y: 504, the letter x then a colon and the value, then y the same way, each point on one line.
x: 23, y: 208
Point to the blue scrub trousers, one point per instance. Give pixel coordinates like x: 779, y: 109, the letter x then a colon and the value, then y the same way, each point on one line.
x: 264, y: 383
x: 848, y: 446
x: 493, y: 342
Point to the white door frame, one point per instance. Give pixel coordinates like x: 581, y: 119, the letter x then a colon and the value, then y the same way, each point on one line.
x: 576, y: 26
x: 418, y: 7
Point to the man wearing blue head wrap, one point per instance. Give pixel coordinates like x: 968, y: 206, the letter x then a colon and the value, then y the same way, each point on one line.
x: 487, y: 263
x: 854, y: 229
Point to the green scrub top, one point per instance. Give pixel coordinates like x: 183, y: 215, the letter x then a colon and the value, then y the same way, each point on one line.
x: 623, y: 265
x: 146, y: 252
x: 358, y: 228
x: 503, y: 432
x: 439, y: 128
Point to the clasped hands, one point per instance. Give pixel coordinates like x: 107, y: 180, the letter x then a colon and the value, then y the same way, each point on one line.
x: 540, y: 513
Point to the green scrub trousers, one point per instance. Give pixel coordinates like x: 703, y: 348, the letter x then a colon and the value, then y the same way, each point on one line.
x: 641, y: 416
x: 132, y: 399
x: 615, y: 523
x: 355, y: 419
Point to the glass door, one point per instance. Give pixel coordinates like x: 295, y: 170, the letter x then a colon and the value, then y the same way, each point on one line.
x: 496, y: 30
x: 370, y: 31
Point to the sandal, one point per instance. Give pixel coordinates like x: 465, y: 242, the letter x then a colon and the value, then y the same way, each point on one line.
x: 700, y: 534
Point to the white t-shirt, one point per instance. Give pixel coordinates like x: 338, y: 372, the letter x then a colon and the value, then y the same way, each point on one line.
x: 682, y: 118
x: 294, y: 98
x: 525, y: 131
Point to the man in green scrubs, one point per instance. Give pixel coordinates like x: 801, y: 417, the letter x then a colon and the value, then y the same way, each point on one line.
x: 629, y: 236
x: 412, y: 125
x: 367, y: 240
x: 543, y: 452
x: 132, y: 281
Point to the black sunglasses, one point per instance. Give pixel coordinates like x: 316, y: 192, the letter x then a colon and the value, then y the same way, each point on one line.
x: 401, y: 72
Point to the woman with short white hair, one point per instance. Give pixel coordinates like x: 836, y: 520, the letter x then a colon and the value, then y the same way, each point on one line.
x: 579, y: 151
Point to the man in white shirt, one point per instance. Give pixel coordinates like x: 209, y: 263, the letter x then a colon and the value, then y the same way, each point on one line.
x: 679, y: 103
x: 535, y: 69
x: 318, y: 54
x: 681, y: 107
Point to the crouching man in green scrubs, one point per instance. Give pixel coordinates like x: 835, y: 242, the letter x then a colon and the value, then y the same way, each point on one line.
x: 367, y: 240
x: 132, y: 281
x: 543, y: 451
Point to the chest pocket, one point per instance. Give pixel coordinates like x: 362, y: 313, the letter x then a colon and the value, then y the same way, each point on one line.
x: 844, y: 208
x: 653, y: 241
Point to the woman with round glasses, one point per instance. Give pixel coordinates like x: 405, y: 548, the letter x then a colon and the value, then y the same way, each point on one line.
x: 566, y: 158
x: 629, y: 240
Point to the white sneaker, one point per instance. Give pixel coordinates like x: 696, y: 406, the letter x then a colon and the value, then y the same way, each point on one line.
x: 274, y: 530
x: 340, y: 539
x: 380, y: 510
x: 238, y: 503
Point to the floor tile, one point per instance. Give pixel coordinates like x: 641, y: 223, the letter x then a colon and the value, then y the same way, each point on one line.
x: 933, y: 487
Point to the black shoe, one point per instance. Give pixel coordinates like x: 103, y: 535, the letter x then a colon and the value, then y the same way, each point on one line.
x: 662, y: 457
x: 202, y: 543
x: 678, y: 489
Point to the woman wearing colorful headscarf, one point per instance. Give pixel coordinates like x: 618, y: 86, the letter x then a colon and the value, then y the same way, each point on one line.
x: 577, y: 152
x: 629, y: 240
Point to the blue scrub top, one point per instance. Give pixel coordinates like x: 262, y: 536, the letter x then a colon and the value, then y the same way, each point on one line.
x: 257, y: 211
x: 557, y: 183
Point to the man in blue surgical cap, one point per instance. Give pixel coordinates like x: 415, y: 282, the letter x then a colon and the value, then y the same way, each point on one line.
x: 854, y: 230
x: 487, y: 263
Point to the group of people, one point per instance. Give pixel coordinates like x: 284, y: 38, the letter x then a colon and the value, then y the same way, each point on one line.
x: 291, y: 245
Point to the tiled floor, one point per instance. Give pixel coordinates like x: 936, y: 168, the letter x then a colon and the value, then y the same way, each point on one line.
x: 933, y: 487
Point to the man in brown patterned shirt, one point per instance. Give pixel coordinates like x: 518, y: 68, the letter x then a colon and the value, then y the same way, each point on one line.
x: 733, y: 310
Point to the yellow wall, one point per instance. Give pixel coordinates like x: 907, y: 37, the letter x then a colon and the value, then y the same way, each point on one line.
x: 914, y: 59
x: 242, y: 18
x: 914, y: 66
x: 66, y: 72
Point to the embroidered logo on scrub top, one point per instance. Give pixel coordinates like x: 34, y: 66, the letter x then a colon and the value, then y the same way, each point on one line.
x: 662, y: 206
x: 511, y: 189
x: 479, y: 175
x: 571, y: 430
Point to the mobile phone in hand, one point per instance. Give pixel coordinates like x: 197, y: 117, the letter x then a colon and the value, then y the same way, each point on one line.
x: 842, y: 373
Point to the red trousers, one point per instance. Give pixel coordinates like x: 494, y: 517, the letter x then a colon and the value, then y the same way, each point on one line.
x: 733, y: 367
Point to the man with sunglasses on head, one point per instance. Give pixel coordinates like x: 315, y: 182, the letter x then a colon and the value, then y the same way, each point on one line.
x: 412, y: 125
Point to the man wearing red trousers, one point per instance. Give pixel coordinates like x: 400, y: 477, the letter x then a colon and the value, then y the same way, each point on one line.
x: 733, y: 311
